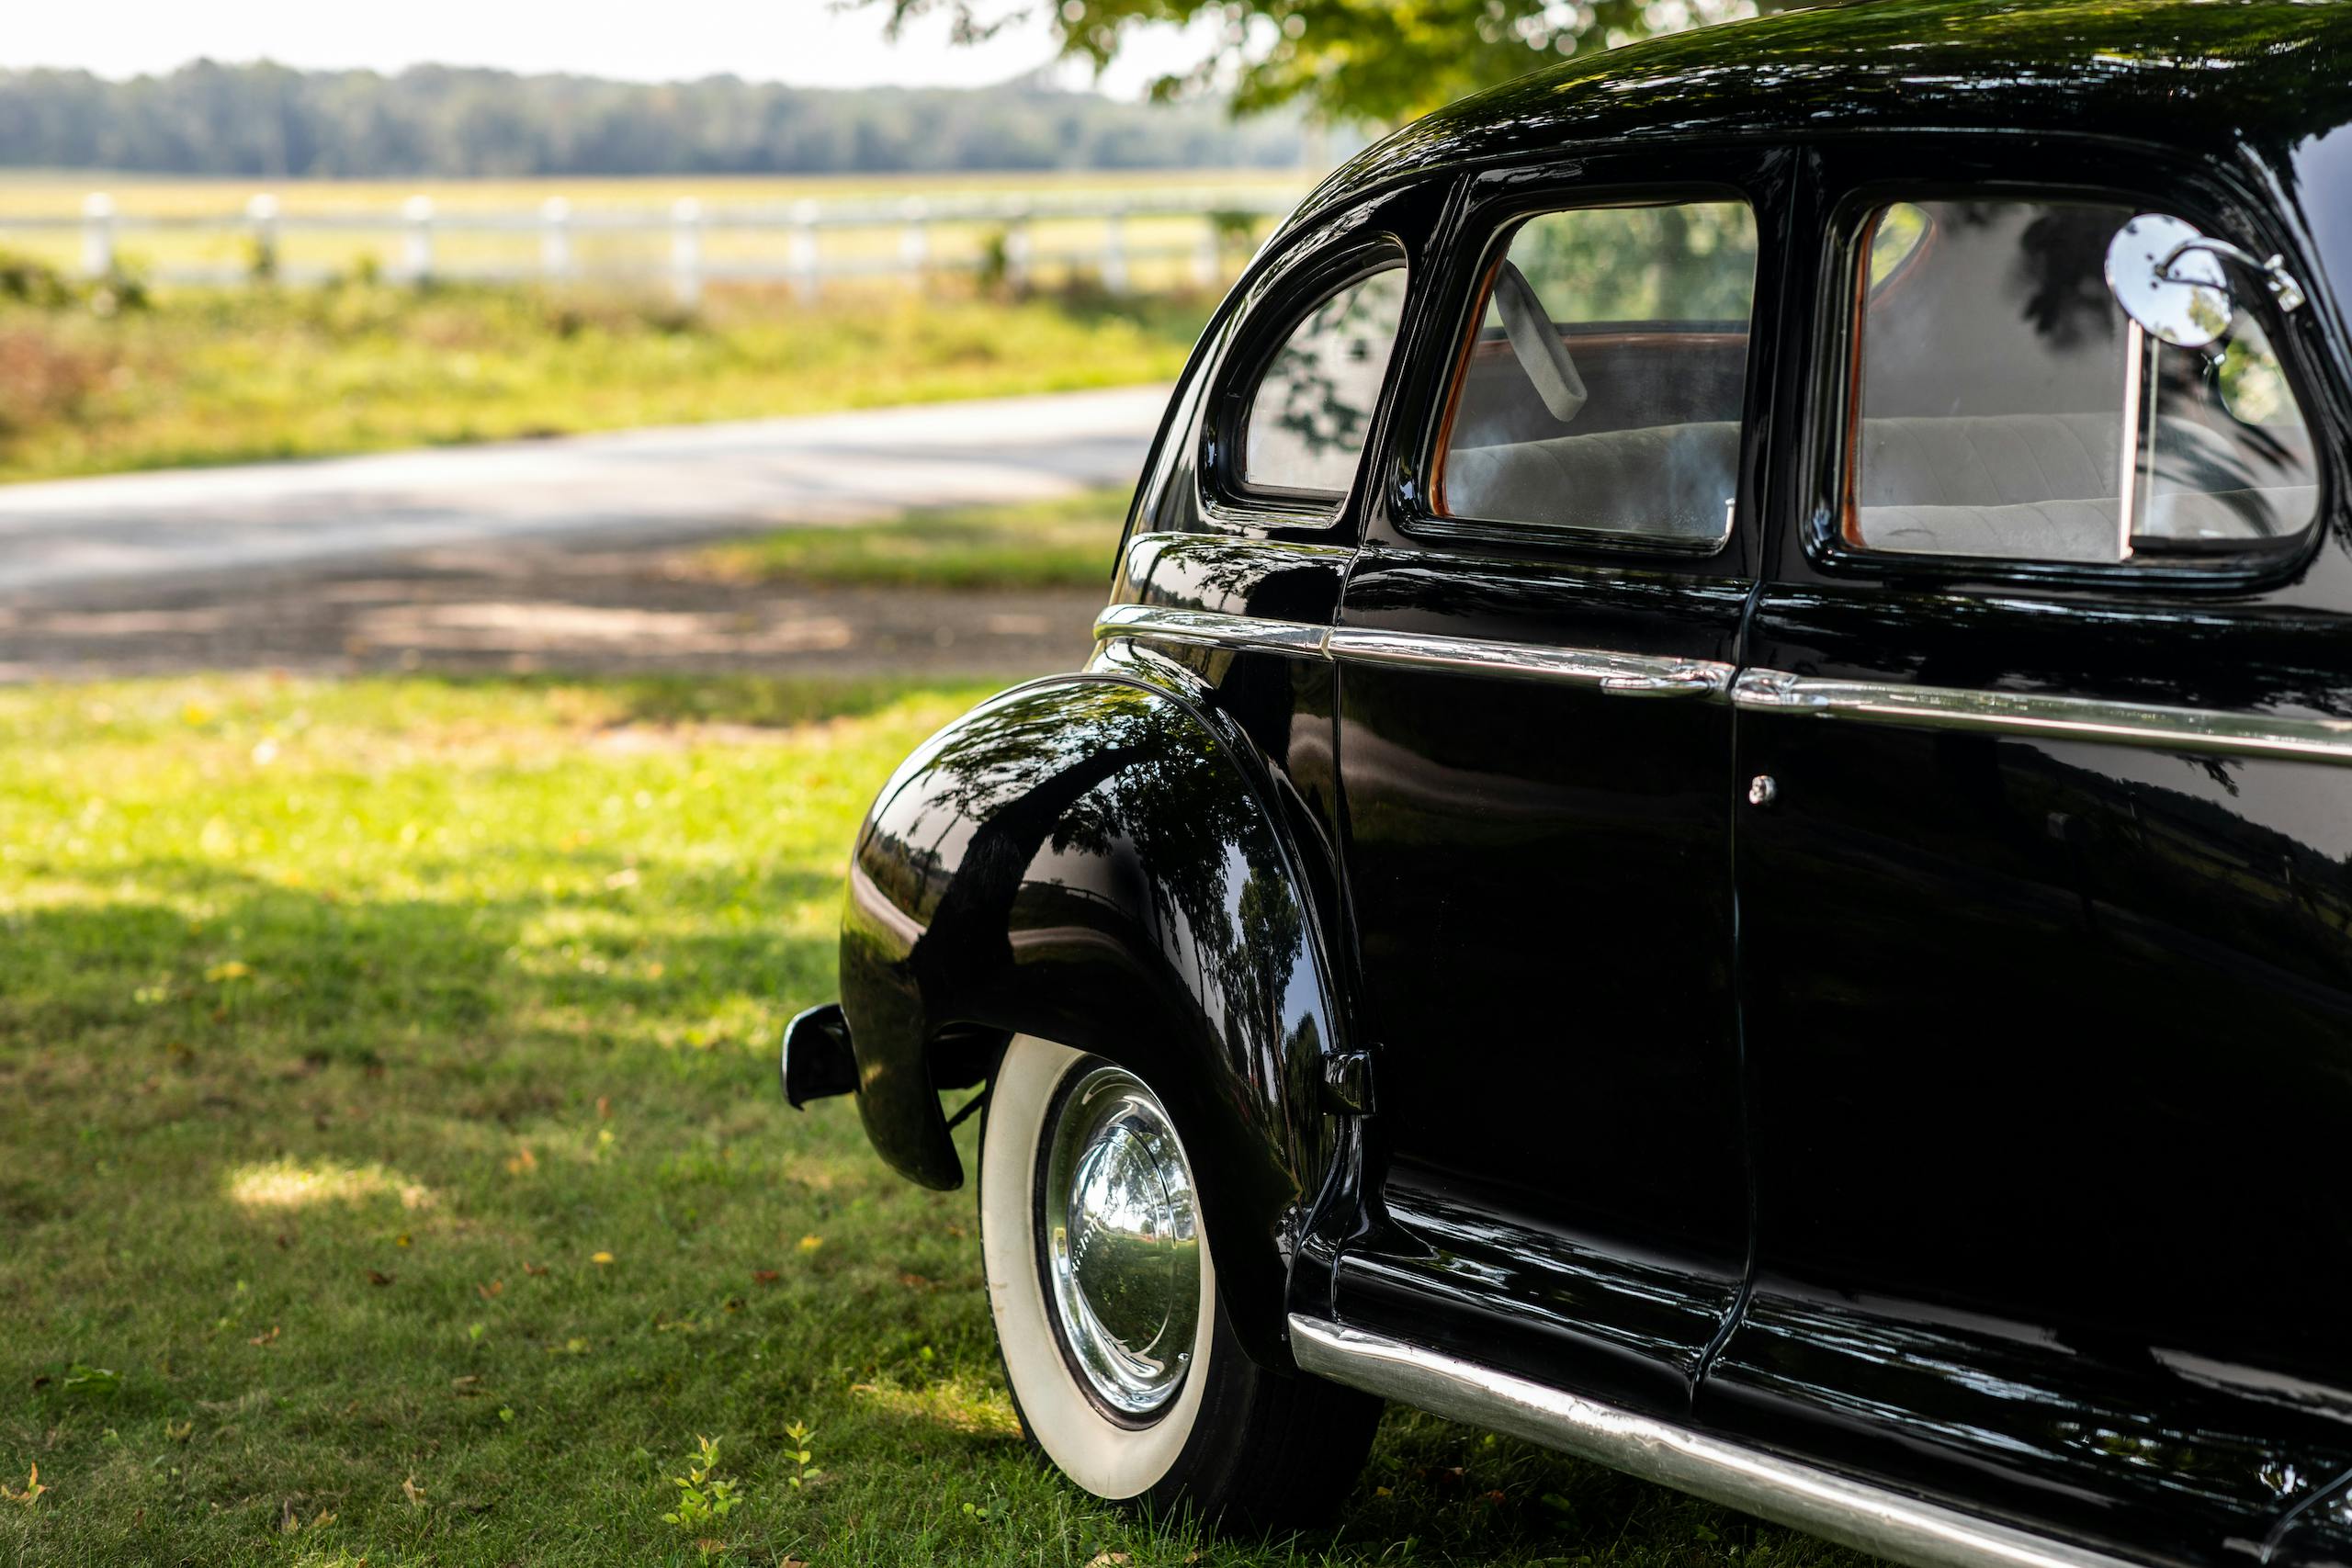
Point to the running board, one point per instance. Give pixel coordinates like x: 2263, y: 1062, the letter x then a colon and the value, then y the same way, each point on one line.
x: 1852, y: 1512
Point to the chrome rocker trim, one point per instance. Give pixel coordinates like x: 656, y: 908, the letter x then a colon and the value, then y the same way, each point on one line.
x: 2062, y: 718
x: 1618, y: 675
x: 1852, y: 1512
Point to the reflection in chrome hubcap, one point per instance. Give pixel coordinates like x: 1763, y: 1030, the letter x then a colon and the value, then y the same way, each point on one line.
x: 1119, y: 1240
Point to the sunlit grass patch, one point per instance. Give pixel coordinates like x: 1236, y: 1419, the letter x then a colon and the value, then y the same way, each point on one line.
x: 1066, y: 543
x: 243, y: 374
x: 290, y: 1184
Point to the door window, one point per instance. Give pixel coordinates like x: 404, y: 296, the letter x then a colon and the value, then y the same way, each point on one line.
x: 1307, y: 418
x: 2004, y: 405
x: 1602, y: 388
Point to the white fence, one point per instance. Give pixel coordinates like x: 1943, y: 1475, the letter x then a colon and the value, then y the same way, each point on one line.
x: 1189, y: 235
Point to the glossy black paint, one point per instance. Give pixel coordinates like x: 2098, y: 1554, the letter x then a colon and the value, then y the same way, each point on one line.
x: 2318, y: 1535
x: 2050, y: 1043
x: 1972, y: 1118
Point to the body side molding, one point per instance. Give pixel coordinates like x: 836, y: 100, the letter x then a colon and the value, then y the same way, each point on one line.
x: 1851, y: 1512
x: 2150, y: 725
x: 1618, y: 674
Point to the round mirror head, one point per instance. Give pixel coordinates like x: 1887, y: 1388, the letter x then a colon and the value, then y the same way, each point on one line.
x: 2186, y: 304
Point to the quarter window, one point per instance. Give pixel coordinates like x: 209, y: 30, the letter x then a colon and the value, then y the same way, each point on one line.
x: 1307, y: 418
x: 2004, y: 399
x: 1602, y: 386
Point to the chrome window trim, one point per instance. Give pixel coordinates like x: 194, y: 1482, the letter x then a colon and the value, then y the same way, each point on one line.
x: 1617, y: 675
x: 1840, y: 1508
x: 2153, y: 725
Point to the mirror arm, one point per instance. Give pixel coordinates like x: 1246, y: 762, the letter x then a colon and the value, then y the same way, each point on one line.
x: 2275, y: 276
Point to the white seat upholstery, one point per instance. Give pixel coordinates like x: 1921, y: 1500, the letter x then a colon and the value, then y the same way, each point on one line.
x: 2017, y: 487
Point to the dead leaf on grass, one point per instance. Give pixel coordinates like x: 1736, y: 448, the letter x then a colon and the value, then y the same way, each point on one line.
x: 30, y: 1494
x: 413, y: 1492
x: 268, y: 1338
x: 378, y: 1277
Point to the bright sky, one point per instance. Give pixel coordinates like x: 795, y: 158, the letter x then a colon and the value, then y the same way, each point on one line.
x: 807, y: 42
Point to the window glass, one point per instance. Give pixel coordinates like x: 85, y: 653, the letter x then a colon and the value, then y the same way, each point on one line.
x: 1994, y: 369
x: 1602, y: 390
x: 1313, y: 405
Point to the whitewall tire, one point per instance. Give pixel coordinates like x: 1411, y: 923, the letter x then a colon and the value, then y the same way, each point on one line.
x: 1102, y: 1283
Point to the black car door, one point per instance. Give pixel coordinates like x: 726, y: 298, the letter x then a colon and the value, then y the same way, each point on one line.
x: 2042, y: 891
x: 1533, y: 652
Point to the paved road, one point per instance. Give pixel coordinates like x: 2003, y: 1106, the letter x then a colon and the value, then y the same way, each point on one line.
x: 692, y: 480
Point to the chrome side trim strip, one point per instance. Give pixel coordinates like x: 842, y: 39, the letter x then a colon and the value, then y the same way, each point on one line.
x: 1622, y: 675
x: 2065, y: 718
x: 1618, y: 674
x: 1852, y: 1512
x: 1207, y: 628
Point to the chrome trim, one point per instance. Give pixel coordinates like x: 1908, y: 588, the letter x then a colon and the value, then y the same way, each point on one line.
x: 1120, y: 1240
x: 2064, y: 718
x: 1851, y: 1512
x: 1209, y: 628
x: 1620, y: 675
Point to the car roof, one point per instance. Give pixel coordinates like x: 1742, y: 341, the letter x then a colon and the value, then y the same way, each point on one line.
x: 2212, y: 75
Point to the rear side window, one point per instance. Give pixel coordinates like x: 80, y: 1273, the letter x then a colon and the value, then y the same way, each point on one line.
x: 1306, y: 420
x: 1602, y: 388
x: 2004, y: 405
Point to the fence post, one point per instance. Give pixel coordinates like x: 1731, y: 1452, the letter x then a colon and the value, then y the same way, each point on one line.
x: 262, y: 210
x: 1207, y: 262
x: 800, y: 255
x: 685, y: 251
x: 416, y: 244
x: 97, y: 234
x: 914, y: 240
x: 555, y: 237
x: 1019, y: 251
x: 1114, y: 250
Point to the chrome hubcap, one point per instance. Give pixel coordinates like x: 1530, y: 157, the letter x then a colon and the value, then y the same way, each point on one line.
x: 1120, y: 1241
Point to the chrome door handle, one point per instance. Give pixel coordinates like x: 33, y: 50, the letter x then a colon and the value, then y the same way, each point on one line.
x: 1689, y: 681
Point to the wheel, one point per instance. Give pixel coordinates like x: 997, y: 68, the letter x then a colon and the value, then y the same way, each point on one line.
x: 1124, y: 1368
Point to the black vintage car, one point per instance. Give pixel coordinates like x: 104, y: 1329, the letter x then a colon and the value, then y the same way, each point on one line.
x: 1710, y: 821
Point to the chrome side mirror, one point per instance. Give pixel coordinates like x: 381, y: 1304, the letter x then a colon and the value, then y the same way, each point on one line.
x: 2168, y: 278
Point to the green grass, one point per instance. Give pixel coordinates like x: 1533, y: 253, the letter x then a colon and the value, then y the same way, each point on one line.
x: 1066, y: 543
x: 226, y: 376
x: 394, y: 1168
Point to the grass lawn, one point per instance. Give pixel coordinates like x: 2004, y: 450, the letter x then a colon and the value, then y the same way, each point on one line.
x: 1052, y: 544
x: 238, y: 375
x: 394, y: 1169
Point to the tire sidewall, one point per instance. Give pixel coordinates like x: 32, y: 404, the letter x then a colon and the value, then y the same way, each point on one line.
x: 1110, y: 1459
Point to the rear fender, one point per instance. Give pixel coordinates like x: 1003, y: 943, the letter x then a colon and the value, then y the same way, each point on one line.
x: 1095, y: 860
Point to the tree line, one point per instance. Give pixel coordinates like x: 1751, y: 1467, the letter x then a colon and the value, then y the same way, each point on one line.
x: 270, y: 122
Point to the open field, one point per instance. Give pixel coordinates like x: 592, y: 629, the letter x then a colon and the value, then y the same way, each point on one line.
x: 396, y: 1170
x: 90, y: 384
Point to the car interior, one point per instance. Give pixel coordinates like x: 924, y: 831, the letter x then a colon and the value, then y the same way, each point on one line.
x: 1987, y: 418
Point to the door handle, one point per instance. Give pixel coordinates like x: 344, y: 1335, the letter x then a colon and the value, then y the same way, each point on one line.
x: 1685, y: 681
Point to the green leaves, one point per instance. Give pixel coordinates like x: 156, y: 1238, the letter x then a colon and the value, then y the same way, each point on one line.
x: 1346, y: 61
x: 703, y: 1497
x: 92, y: 1385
